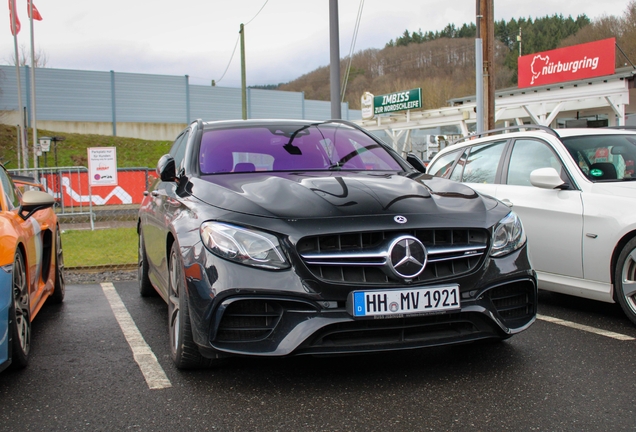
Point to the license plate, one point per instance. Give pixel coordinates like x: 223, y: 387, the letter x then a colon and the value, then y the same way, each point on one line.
x: 436, y: 299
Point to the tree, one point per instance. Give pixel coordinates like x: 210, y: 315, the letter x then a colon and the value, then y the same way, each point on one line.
x: 623, y: 28
x: 24, y: 56
x: 442, y: 63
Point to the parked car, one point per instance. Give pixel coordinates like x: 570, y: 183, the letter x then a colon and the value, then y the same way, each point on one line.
x: 574, y: 191
x: 32, y: 264
x: 284, y: 237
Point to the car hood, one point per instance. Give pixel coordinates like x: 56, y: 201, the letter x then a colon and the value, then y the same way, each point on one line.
x: 337, y: 194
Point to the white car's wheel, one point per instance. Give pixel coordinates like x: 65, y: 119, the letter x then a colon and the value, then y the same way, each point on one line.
x: 625, y: 280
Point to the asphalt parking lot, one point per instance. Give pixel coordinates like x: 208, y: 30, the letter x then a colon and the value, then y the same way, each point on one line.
x: 100, y: 361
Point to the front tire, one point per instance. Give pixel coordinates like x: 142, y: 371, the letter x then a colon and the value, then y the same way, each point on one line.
x: 60, y: 283
x: 20, y: 315
x: 625, y: 280
x: 145, y: 286
x: 184, y: 351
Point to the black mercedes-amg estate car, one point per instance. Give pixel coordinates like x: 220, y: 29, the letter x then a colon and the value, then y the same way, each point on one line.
x: 287, y: 237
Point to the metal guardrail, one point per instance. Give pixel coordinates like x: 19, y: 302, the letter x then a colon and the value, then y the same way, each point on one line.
x: 73, y: 196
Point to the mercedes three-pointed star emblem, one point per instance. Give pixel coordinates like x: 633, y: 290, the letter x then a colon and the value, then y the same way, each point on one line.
x: 407, y: 257
x: 400, y: 219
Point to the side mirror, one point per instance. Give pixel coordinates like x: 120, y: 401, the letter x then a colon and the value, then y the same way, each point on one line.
x: 416, y: 163
x: 547, y: 178
x: 33, y: 201
x: 166, y: 169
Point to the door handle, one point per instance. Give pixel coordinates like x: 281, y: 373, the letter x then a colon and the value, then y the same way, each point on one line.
x: 507, y: 202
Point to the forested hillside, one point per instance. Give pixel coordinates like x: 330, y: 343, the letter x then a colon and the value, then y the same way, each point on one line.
x: 442, y: 63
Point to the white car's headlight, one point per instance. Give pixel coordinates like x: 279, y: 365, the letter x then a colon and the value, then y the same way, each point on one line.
x: 508, y: 236
x: 242, y: 245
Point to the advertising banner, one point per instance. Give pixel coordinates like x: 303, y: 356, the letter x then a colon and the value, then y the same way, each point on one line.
x: 399, y: 101
x: 102, y: 166
x: 366, y: 106
x: 582, y: 61
x: 70, y: 187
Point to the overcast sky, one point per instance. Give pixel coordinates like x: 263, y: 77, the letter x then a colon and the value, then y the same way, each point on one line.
x: 287, y: 39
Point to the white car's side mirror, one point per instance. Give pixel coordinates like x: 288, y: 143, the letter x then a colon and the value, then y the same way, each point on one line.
x: 546, y: 178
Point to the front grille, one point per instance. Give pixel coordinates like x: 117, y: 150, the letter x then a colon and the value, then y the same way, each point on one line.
x: 513, y: 301
x: 360, y: 258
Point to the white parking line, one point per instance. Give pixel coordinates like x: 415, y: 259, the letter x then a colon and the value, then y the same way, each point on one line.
x: 151, y: 369
x: 589, y: 329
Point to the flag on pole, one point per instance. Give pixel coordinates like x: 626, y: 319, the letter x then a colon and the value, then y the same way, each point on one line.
x: 13, y: 18
x: 36, y: 13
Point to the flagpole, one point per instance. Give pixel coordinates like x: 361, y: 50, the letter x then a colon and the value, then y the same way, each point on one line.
x: 14, y: 31
x: 20, y: 126
x: 33, y: 117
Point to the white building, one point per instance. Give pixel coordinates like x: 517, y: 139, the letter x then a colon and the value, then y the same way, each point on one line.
x: 592, y: 102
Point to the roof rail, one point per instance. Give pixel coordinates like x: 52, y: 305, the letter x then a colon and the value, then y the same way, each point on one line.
x: 508, y: 128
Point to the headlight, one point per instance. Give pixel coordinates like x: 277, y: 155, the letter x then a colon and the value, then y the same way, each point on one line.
x: 508, y: 237
x: 242, y: 245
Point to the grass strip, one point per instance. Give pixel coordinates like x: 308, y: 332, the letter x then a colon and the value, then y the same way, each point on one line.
x: 85, y: 248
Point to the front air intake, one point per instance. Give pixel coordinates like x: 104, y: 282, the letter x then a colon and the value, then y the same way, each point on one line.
x: 514, y: 301
x: 253, y: 320
x: 248, y: 320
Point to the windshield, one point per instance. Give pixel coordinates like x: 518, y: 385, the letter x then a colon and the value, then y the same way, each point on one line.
x: 604, y: 157
x: 280, y: 147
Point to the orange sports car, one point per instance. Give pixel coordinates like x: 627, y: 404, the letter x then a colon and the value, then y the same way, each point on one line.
x: 31, y: 263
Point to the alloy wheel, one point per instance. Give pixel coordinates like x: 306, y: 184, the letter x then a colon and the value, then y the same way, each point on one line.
x: 628, y: 280
x: 21, y: 304
x: 173, y: 303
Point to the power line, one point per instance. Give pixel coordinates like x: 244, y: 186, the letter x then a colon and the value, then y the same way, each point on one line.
x: 237, y: 41
x: 259, y: 11
x: 353, y: 44
x: 230, y: 62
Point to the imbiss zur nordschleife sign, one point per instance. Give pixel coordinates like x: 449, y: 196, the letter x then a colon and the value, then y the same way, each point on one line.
x: 388, y: 103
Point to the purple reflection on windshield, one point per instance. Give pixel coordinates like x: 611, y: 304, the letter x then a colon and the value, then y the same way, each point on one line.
x: 281, y: 147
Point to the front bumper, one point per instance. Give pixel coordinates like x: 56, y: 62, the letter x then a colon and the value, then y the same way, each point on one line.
x: 291, y: 313
x: 271, y: 326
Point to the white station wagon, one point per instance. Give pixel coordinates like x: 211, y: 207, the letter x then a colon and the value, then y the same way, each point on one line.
x: 575, y: 192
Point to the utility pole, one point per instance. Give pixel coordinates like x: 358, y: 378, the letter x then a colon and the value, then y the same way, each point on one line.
x: 479, y: 71
x: 334, y: 68
x: 24, y: 140
x: 488, y: 36
x: 519, y: 40
x: 34, y: 122
x: 243, y: 80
